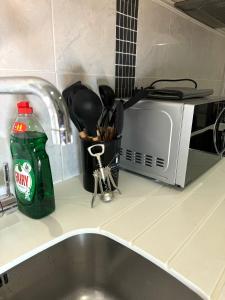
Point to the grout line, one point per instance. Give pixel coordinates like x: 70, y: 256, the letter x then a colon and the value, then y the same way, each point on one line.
x: 118, y: 12
x: 27, y: 70
x: 62, y: 163
x: 166, y: 213
x: 129, y: 77
x: 137, y: 43
x: 125, y: 210
x: 120, y: 213
x: 122, y: 65
x: 170, y: 23
x: 57, y: 82
x: 126, y: 41
x: 83, y: 74
x: 196, y: 230
x: 53, y: 38
x: 126, y: 28
x: 125, y: 53
x: 219, y: 285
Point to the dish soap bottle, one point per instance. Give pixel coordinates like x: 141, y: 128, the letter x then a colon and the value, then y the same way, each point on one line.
x: 32, y: 172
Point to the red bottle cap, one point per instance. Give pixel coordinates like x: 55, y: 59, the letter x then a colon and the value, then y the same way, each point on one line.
x: 24, y: 107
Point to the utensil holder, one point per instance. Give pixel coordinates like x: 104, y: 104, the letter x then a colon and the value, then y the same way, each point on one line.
x: 109, y: 158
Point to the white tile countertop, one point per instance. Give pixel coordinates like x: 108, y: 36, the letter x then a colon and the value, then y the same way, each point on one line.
x: 182, y: 231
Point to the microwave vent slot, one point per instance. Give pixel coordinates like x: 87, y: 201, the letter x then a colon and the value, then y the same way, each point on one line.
x: 138, y: 157
x: 129, y: 155
x: 148, y: 160
x: 142, y: 159
x: 160, y: 162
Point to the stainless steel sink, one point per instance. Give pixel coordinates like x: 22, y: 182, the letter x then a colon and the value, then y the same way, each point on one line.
x: 91, y: 267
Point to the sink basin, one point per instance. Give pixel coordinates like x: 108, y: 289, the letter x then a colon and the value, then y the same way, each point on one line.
x: 91, y: 267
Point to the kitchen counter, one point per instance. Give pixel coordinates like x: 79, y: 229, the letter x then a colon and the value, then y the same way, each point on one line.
x: 182, y: 231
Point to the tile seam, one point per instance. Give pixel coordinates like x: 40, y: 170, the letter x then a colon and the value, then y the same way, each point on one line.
x: 53, y: 38
x: 166, y: 213
x: 219, y: 285
x: 119, y: 214
x: 125, y: 210
x: 28, y: 70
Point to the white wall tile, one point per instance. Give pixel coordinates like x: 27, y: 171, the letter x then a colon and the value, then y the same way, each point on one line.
x: 85, y: 36
x: 26, y: 49
x: 172, y: 46
x: 26, y: 35
x: 169, y: 45
x: 153, y: 36
x: 207, y: 54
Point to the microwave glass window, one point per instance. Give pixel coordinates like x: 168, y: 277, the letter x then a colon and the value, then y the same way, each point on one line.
x: 204, y: 116
x: 208, y: 128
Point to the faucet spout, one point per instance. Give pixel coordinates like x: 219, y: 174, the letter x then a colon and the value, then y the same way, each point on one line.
x: 57, y: 109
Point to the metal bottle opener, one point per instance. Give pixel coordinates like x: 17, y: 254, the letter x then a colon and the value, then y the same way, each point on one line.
x: 98, y: 156
x: 102, y: 174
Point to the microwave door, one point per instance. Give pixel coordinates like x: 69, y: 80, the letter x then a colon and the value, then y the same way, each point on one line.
x: 208, y: 127
x: 207, y: 137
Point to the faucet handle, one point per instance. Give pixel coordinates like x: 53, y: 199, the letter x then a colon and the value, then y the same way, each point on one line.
x: 8, y: 204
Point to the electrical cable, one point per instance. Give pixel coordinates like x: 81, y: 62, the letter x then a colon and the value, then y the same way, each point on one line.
x: 151, y: 86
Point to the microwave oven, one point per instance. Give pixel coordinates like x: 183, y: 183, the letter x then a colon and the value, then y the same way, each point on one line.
x: 173, y: 141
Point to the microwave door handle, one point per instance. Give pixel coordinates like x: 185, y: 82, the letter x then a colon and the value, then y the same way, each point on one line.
x: 223, y: 140
x: 215, y: 131
x: 140, y: 95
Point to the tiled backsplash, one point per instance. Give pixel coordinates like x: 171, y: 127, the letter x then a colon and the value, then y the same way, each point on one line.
x: 172, y: 45
x: 126, y: 45
x: 68, y: 40
x: 62, y: 41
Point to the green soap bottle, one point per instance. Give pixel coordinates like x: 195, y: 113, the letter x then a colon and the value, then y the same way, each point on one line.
x: 32, y: 173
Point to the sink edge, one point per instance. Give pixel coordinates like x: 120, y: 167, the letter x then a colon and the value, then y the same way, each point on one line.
x: 5, y: 268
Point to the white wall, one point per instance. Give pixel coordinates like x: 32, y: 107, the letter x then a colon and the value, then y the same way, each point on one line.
x: 171, y: 45
x: 67, y: 40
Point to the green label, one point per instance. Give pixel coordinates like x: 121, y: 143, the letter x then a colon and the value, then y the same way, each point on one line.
x: 25, y: 180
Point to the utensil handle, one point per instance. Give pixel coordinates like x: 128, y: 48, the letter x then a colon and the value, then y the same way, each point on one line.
x: 133, y: 100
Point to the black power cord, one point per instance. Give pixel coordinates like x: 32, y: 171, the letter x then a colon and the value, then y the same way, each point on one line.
x: 151, y: 86
x: 142, y: 93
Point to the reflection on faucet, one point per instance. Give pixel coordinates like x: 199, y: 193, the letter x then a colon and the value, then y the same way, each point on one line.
x: 59, y: 116
x: 8, y: 202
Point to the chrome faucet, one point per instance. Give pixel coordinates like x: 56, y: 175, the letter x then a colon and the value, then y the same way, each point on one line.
x: 58, y: 113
